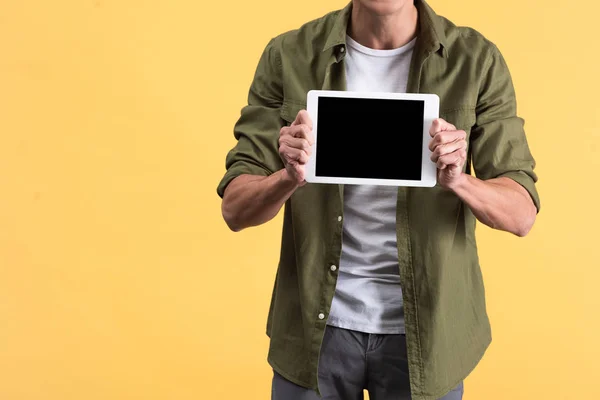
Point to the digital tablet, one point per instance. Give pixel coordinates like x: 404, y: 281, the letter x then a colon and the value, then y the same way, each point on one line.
x: 368, y: 138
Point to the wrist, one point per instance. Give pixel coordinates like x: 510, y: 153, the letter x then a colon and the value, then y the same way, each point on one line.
x: 459, y: 183
x: 286, y: 179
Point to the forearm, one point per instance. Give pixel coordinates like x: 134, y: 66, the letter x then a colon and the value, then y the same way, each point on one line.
x: 499, y: 203
x: 251, y: 200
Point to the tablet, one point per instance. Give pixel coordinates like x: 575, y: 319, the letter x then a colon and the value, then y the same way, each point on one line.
x: 368, y: 138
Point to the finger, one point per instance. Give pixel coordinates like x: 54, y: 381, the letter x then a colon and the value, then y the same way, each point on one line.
x: 303, y: 119
x: 297, y: 143
x: 445, y: 137
x: 294, y: 156
x: 448, y: 148
x: 302, y: 132
x: 440, y: 125
x: 300, y: 157
x: 298, y: 131
x: 435, y: 126
x: 284, y: 131
x: 456, y: 158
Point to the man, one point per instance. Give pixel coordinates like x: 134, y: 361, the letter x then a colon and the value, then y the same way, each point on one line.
x: 380, y: 288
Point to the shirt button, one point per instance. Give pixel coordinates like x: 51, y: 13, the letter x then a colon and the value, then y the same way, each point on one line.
x: 321, y: 315
x: 340, y: 218
x: 333, y: 268
x: 342, y: 49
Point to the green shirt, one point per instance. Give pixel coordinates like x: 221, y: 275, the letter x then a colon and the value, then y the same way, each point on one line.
x: 447, y: 327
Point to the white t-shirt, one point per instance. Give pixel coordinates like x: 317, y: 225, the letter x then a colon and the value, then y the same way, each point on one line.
x: 368, y: 297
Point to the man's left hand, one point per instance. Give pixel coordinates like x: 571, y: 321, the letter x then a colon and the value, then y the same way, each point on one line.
x: 449, y: 151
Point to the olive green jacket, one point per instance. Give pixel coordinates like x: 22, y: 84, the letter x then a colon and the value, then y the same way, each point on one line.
x: 447, y: 327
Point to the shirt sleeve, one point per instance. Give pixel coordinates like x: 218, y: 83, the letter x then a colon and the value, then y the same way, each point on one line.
x: 257, y: 129
x: 498, y: 143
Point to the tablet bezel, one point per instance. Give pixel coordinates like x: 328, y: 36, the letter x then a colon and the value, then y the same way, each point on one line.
x: 428, y: 167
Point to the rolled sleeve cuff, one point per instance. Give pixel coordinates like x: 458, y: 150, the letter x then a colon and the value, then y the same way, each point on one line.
x: 237, y: 169
x: 527, y: 182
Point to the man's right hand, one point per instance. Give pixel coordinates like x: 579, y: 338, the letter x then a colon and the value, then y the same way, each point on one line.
x: 295, y: 146
x: 251, y: 200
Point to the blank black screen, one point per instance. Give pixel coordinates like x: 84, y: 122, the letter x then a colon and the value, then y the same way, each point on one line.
x: 369, y: 138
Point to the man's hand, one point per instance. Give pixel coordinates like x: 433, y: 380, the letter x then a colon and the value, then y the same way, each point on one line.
x: 295, y: 147
x: 500, y: 203
x: 449, y: 152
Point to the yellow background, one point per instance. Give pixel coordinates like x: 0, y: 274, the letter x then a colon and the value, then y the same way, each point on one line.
x: 119, y: 279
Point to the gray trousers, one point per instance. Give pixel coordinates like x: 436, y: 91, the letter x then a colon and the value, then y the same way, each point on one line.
x: 352, y: 361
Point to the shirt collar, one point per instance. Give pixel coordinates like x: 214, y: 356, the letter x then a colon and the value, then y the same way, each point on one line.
x: 430, y: 28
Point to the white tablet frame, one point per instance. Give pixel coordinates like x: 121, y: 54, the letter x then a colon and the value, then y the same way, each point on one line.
x: 428, y: 167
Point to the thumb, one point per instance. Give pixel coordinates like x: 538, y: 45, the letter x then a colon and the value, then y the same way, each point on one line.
x: 440, y: 125
x: 302, y: 118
